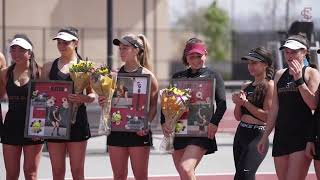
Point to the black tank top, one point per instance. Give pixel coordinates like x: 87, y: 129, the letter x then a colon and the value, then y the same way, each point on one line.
x: 17, y: 95
x: 56, y: 74
x: 13, y: 128
x: 249, y: 94
x: 294, y: 115
x: 80, y: 130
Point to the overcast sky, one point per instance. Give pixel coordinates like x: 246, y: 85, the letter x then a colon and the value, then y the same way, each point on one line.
x: 247, y: 10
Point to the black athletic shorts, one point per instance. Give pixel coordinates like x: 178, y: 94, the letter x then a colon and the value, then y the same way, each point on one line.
x: 128, y: 139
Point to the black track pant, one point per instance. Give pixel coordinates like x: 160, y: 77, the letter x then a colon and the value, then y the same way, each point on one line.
x: 246, y: 156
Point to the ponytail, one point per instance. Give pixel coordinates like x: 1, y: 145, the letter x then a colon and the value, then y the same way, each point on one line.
x: 78, y: 55
x: 269, y: 73
x: 33, y: 67
x: 144, y: 53
x: 259, y: 93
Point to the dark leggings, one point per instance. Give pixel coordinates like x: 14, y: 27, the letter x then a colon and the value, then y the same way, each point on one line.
x: 246, y: 156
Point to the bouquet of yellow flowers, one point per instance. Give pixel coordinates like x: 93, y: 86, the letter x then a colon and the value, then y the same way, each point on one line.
x: 103, y: 83
x: 80, y: 74
x: 174, y: 102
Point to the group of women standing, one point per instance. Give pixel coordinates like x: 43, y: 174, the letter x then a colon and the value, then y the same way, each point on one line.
x: 135, y: 54
x: 285, y: 103
x: 14, y: 83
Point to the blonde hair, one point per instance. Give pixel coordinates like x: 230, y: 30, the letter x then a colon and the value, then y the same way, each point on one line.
x: 144, y: 52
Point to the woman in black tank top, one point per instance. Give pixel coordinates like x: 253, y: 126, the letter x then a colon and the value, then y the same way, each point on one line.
x: 252, y: 104
x: 14, y: 82
x: 291, y: 112
x: 134, y: 52
x: 67, y: 44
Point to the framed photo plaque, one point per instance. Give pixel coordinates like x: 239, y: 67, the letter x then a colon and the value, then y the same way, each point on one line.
x: 48, y: 110
x: 130, y: 103
x: 194, y: 122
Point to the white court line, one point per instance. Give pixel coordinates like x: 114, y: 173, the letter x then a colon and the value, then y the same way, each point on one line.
x: 175, y: 175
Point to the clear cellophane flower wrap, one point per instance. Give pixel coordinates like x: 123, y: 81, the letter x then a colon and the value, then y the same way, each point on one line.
x: 80, y: 75
x: 174, y: 102
x: 103, y: 83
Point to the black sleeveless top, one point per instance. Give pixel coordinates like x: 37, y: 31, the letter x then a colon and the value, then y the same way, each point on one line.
x: 129, y: 139
x: 14, y: 124
x: 249, y: 94
x: 294, y: 115
x: 80, y: 130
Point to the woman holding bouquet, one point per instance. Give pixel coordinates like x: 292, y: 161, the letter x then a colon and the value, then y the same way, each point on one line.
x: 252, y: 105
x: 67, y: 43
x: 14, y: 82
x: 134, y: 52
x: 188, y: 151
x: 295, y: 96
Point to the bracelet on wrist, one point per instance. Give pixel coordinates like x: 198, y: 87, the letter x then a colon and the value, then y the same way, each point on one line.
x: 299, y: 82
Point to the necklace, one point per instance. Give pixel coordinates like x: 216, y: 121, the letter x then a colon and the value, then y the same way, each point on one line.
x: 131, y: 70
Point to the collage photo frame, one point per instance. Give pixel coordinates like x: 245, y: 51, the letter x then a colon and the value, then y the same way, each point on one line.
x: 194, y: 122
x: 48, y: 110
x: 130, y: 103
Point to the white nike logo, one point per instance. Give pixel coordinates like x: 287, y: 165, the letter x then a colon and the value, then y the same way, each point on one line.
x: 246, y: 170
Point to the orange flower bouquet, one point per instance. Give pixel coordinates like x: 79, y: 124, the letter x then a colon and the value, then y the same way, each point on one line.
x: 174, y: 102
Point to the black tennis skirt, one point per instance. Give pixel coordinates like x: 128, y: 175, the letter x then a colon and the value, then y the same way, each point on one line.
x: 182, y: 142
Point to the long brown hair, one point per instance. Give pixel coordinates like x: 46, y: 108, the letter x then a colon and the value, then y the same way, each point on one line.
x: 261, y: 89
